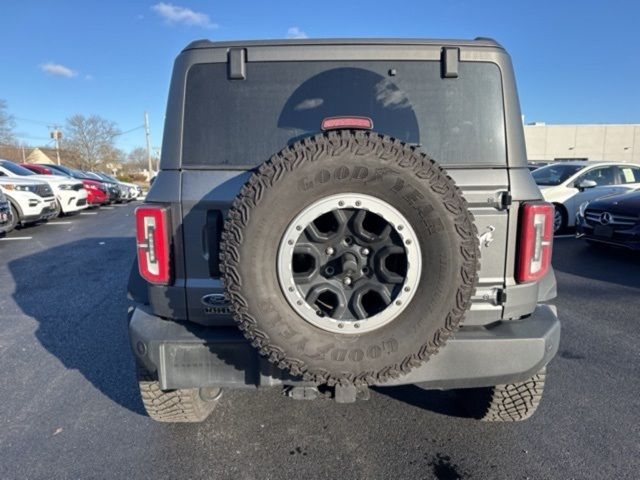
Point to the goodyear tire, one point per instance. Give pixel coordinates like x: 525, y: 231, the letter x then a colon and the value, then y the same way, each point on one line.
x: 514, y: 402
x: 187, y: 405
x: 373, y: 215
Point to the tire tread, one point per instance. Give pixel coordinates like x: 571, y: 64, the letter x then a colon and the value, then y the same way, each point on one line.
x: 309, y: 150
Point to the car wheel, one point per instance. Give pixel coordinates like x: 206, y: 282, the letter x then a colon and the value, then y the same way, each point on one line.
x: 59, y: 212
x: 185, y: 405
x: 513, y: 402
x: 559, y: 218
x: 15, y: 219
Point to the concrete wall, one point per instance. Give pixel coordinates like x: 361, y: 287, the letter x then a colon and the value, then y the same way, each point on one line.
x: 619, y: 143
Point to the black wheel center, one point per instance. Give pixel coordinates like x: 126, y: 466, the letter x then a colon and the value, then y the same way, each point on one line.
x: 349, y: 264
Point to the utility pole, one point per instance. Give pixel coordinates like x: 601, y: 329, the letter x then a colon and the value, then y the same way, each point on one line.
x: 56, y: 134
x: 148, y: 135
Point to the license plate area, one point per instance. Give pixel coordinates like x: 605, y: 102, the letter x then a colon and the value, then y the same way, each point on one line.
x: 185, y: 365
x: 603, y: 231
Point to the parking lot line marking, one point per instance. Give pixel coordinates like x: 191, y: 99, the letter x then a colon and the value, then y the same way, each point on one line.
x: 106, y: 208
x: 15, y: 238
x: 88, y: 213
x: 58, y: 223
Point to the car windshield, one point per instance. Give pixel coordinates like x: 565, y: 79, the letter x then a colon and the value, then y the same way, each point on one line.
x: 554, y: 174
x: 15, y: 169
x: 60, y: 170
x: 79, y: 174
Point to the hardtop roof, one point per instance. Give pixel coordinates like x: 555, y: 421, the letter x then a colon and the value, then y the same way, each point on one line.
x: 477, y: 42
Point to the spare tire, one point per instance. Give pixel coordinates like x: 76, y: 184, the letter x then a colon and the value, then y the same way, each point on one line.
x: 349, y: 257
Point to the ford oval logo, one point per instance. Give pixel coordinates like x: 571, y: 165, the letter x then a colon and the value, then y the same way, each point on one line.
x: 214, y: 300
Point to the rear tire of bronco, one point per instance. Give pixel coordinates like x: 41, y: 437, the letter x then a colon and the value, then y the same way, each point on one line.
x: 512, y: 402
x: 349, y: 258
x: 175, y: 406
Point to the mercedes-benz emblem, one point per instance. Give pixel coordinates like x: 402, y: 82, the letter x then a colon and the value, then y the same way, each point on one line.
x: 605, y: 218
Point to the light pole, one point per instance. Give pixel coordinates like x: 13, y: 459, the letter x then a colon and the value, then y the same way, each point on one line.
x: 148, y: 135
x: 56, y: 134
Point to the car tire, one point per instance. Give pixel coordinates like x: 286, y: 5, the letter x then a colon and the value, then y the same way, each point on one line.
x: 187, y: 405
x: 512, y: 402
x: 559, y: 218
x: 15, y: 219
x: 59, y: 212
x: 352, y: 165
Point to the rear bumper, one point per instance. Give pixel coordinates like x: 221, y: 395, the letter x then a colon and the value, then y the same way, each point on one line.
x: 188, y: 355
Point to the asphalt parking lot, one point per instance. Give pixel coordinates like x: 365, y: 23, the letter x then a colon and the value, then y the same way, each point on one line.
x: 69, y: 405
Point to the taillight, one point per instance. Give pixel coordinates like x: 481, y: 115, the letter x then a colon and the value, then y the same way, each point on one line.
x: 152, y: 237
x: 534, y: 241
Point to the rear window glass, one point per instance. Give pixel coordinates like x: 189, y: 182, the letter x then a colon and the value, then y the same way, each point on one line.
x: 241, y: 123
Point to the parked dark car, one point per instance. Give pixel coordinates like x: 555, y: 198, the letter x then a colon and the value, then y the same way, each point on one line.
x: 126, y: 194
x: 612, y: 220
x: 116, y: 193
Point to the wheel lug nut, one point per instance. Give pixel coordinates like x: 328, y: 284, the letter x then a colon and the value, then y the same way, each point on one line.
x: 347, y: 281
x: 329, y: 251
x: 365, y: 251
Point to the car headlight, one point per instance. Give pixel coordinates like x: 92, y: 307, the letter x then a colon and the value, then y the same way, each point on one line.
x: 582, y: 208
x: 66, y: 186
x: 20, y: 188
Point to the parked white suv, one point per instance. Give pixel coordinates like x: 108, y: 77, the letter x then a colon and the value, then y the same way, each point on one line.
x: 31, y: 200
x: 569, y: 184
x: 70, y: 193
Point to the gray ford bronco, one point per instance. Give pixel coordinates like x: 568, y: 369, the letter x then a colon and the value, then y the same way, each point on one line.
x: 335, y: 215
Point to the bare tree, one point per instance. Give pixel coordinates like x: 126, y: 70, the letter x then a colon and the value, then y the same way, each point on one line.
x: 6, y: 125
x: 137, y: 159
x: 90, y: 140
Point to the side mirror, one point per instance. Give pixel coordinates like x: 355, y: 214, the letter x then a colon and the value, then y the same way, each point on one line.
x: 584, y: 184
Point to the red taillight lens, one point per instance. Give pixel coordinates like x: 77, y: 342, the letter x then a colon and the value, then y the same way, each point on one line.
x: 535, y: 241
x: 334, y: 123
x: 152, y: 237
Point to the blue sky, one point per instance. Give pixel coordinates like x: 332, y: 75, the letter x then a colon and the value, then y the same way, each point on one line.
x: 575, y: 61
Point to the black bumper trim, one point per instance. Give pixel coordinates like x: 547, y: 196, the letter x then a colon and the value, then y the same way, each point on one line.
x: 188, y: 355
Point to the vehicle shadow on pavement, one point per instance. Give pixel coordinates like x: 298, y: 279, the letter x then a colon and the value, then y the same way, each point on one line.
x: 606, y: 264
x: 77, y: 293
x: 444, y: 402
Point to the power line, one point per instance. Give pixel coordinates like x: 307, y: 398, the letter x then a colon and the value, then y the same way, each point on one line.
x: 129, y: 131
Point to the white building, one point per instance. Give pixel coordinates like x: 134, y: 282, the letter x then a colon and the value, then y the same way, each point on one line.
x: 612, y: 142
